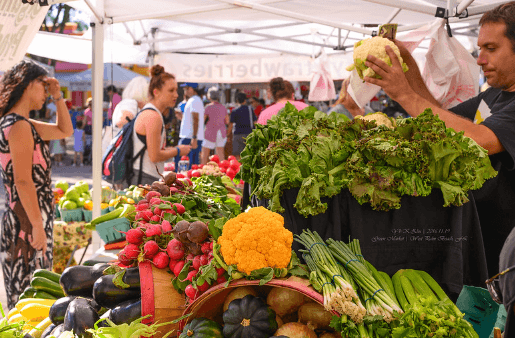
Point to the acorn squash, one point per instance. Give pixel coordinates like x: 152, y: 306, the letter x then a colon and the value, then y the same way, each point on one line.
x: 249, y: 317
x: 202, y: 328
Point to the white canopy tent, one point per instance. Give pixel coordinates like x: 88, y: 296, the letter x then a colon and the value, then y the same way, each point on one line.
x: 135, y: 31
x: 112, y: 74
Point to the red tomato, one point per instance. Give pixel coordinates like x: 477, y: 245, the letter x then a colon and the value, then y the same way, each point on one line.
x: 214, y: 158
x: 235, y: 165
x: 196, y: 173
x: 179, y: 175
x: 184, y: 158
x: 190, y: 173
x: 231, y: 157
x: 225, y: 164
x: 194, y: 166
x: 231, y: 173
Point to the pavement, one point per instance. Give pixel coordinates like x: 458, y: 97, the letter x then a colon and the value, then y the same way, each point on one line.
x: 67, y: 172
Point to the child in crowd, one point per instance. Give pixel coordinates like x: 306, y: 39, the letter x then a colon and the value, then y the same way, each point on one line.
x: 79, y: 138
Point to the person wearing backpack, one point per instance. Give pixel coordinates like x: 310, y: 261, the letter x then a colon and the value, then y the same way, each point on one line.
x: 149, y: 129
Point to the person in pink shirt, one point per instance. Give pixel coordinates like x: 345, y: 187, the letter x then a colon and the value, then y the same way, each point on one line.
x: 115, y: 98
x: 282, y: 92
x: 215, y: 130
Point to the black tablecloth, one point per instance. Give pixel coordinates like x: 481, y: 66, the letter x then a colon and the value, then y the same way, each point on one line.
x: 422, y: 234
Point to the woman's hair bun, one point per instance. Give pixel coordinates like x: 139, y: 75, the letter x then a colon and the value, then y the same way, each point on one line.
x: 157, y: 70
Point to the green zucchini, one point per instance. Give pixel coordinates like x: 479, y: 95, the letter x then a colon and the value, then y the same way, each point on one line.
x: 33, y: 293
x: 29, y: 291
x: 54, y: 277
x: 47, y: 286
x: 107, y: 217
x: 44, y: 295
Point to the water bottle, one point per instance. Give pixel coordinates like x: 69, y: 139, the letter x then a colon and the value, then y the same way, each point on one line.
x: 184, y: 165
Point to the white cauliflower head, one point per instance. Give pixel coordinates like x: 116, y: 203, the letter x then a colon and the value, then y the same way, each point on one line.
x: 380, y: 119
x: 374, y: 46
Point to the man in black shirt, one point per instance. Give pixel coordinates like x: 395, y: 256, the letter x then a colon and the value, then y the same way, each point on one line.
x: 489, y: 118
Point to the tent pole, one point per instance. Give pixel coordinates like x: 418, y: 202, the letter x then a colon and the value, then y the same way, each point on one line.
x: 98, y: 98
x: 394, y: 14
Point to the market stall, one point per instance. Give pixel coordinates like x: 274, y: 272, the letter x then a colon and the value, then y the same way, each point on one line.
x: 191, y: 264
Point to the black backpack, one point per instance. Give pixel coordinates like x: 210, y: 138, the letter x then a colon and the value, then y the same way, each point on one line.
x: 118, y: 159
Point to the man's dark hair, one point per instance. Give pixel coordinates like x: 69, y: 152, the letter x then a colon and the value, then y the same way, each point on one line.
x: 199, y: 91
x: 111, y: 88
x: 504, y: 13
x: 241, y: 97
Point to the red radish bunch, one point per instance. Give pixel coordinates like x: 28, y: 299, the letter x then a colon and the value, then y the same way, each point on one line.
x: 134, y: 236
x: 151, y: 249
x: 166, y: 226
x: 180, y: 208
x: 161, y: 260
x: 151, y: 194
x: 175, y: 250
x: 153, y: 230
x: 131, y: 251
x: 178, y: 267
x: 191, y: 292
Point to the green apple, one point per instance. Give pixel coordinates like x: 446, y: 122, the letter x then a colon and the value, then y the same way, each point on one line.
x: 69, y: 205
x: 86, y: 195
x: 62, y: 184
x: 72, y: 194
x: 80, y: 202
x: 83, y: 186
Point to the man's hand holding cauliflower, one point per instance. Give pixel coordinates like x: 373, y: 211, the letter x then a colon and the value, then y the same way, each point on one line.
x: 376, y: 47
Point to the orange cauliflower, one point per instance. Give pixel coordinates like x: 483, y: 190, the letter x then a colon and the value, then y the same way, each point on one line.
x: 256, y: 239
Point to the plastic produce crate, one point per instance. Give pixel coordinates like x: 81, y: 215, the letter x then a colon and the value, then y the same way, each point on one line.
x: 109, y: 231
x: 57, y: 213
x: 73, y: 215
x: 88, y: 214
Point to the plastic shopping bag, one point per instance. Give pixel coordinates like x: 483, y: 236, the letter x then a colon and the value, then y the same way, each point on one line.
x: 450, y: 72
x: 321, y: 87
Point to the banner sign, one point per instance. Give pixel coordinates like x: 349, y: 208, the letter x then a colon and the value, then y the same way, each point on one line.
x: 19, y: 23
x: 247, y: 69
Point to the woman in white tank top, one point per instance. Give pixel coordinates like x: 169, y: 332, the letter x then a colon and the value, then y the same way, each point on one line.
x: 149, y: 128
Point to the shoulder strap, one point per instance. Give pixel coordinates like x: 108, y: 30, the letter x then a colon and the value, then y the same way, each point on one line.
x: 143, y: 149
x: 250, y: 117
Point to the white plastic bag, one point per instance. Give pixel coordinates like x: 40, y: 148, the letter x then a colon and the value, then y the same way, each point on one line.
x: 321, y: 87
x: 450, y: 72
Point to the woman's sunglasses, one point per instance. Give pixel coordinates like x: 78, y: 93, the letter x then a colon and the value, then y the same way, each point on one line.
x: 45, y: 84
x: 493, y: 287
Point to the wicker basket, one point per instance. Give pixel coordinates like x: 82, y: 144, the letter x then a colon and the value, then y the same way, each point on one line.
x: 210, y: 303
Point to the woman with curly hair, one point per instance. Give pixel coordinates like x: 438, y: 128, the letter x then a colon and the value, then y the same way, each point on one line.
x: 27, y: 223
x: 150, y: 151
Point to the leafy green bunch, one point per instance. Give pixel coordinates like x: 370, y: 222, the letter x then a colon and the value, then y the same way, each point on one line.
x: 322, y: 154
